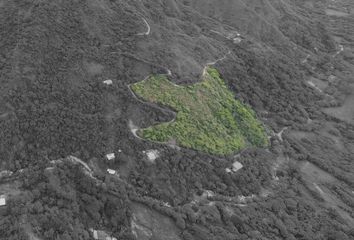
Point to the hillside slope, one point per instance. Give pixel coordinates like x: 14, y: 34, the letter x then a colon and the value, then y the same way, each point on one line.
x: 66, y: 68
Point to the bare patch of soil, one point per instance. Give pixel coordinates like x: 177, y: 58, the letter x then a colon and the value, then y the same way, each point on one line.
x: 149, y: 224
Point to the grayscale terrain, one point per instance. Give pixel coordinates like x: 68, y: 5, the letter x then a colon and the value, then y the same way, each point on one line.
x: 75, y: 163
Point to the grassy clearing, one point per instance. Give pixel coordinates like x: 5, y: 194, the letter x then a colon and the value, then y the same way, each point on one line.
x: 208, y: 117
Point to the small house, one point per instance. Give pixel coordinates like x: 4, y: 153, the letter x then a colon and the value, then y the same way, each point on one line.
x: 111, y: 171
x: 152, y: 155
x: 236, y: 166
x: 2, y: 200
x: 110, y: 156
x: 237, y: 40
x: 108, y: 82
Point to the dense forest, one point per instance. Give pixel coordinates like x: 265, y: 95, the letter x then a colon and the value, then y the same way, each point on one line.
x: 75, y: 162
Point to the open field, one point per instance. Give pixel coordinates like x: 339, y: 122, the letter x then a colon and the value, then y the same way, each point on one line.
x: 208, y: 117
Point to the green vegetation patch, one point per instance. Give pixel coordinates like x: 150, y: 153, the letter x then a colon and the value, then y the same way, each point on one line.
x: 209, y: 118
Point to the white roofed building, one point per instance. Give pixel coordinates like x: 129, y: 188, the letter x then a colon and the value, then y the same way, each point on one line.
x: 237, y: 40
x: 152, y: 155
x: 110, y: 156
x: 2, y: 200
x: 108, y: 82
x: 236, y: 166
x: 111, y: 171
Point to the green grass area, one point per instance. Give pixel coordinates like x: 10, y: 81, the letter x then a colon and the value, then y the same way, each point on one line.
x: 209, y: 118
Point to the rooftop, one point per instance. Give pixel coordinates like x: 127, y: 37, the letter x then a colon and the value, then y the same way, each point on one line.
x: 2, y: 200
x: 108, y: 82
x: 110, y: 156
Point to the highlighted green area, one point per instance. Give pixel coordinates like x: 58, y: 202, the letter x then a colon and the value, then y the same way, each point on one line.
x: 209, y: 118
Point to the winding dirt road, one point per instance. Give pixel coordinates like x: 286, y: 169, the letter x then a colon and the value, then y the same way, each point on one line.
x: 148, y: 28
x: 134, y: 129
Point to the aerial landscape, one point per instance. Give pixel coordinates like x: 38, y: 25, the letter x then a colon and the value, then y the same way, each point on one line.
x: 177, y: 120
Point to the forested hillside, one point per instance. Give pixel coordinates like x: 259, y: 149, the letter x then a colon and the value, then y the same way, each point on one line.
x: 254, y: 99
